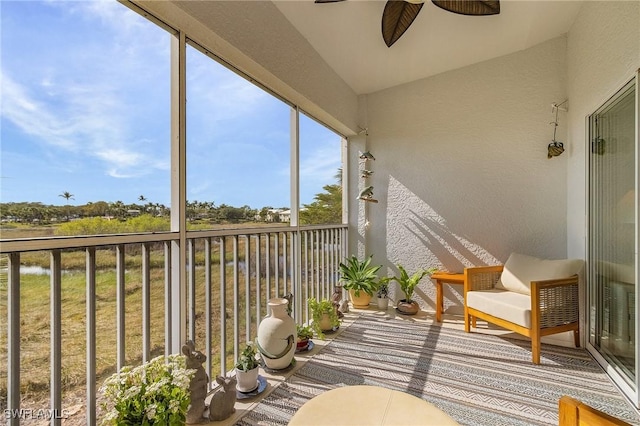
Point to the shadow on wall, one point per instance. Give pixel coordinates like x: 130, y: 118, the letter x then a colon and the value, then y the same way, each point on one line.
x: 417, y: 236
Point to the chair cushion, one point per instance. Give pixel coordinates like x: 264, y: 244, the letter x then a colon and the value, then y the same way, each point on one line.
x: 508, y: 305
x: 520, y: 270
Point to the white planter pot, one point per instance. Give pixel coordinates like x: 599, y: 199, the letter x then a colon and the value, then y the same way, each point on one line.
x: 277, y: 336
x: 383, y: 303
x: 247, y: 380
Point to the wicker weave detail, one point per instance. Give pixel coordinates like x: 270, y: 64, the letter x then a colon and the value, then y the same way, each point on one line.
x: 483, y: 280
x: 558, y: 305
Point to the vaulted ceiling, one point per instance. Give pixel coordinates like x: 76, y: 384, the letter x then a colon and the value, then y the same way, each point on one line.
x: 347, y: 35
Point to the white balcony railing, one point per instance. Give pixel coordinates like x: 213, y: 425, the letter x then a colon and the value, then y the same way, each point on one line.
x: 230, y: 275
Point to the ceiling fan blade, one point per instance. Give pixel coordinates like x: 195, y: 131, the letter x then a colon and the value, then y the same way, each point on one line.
x: 327, y: 1
x: 396, y: 19
x: 470, y: 7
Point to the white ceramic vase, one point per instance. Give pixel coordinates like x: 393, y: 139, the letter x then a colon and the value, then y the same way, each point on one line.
x: 277, y: 336
x: 383, y: 303
x: 247, y: 380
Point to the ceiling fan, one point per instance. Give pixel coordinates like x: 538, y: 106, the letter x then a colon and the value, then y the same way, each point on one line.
x: 398, y: 15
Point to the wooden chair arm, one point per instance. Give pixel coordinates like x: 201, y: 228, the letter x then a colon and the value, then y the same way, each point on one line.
x: 481, y: 277
x: 555, y: 302
x: 572, y: 412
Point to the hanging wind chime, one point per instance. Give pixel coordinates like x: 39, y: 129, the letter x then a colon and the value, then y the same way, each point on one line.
x: 555, y: 148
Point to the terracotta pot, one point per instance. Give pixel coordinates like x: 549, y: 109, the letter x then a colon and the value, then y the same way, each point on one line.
x: 247, y: 380
x: 408, y: 308
x: 302, y: 344
x: 277, y: 336
x: 360, y: 302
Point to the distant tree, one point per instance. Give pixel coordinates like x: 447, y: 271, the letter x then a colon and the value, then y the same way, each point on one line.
x: 97, y: 209
x: 142, y: 199
x: 67, y: 195
x: 118, y: 209
x: 326, y: 207
x: 264, y: 213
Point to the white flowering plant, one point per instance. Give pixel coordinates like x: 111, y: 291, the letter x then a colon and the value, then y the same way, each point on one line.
x: 154, y: 393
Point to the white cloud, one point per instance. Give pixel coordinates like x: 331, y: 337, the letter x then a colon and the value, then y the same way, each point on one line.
x: 32, y: 116
x: 321, y: 164
x: 88, y: 122
x: 213, y: 88
x: 97, y: 98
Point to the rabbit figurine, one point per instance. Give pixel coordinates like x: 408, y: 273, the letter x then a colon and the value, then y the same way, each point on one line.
x: 222, y: 402
x: 198, y: 385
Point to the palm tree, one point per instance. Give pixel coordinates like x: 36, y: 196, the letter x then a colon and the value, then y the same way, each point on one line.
x: 67, y: 195
x: 142, y: 198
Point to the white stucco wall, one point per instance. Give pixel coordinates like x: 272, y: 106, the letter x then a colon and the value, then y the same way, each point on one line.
x: 461, y: 171
x: 603, y: 53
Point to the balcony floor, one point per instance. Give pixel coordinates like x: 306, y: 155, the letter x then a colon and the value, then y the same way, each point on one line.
x: 362, y: 344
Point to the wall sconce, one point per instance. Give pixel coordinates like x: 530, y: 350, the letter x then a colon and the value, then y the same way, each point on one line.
x: 555, y: 148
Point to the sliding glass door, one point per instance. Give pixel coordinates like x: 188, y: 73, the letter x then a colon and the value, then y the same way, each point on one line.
x: 613, y: 242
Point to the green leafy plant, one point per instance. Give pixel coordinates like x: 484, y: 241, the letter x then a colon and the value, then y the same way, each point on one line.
x: 247, y: 360
x: 154, y: 393
x: 318, y: 310
x: 382, y: 289
x: 359, y: 275
x: 408, y: 283
x: 304, y: 332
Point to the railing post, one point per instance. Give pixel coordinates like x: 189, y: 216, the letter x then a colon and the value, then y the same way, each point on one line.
x: 191, y: 296
x: 91, y: 334
x: 258, y: 287
x: 146, y: 303
x: 305, y: 296
x: 13, y: 337
x: 207, y: 306
x: 223, y: 308
x: 56, y: 336
x: 276, y: 246
x: 236, y: 301
x: 120, y: 306
x: 168, y: 308
x: 247, y: 287
x: 268, y: 266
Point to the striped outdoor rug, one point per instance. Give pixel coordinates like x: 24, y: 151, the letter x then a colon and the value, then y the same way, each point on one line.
x: 477, y: 379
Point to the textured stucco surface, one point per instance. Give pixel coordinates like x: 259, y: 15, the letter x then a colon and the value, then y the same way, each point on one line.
x: 461, y: 171
x: 603, y: 53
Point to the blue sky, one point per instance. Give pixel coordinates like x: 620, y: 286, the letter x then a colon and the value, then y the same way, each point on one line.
x: 85, y: 109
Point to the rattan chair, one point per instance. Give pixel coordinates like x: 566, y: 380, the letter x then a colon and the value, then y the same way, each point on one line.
x: 550, y: 308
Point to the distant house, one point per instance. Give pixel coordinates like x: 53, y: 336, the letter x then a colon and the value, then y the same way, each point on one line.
x: 278, y: 215
x: 285, y: 215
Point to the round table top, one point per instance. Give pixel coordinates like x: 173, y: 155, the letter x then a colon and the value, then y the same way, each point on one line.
x: 368, y: 405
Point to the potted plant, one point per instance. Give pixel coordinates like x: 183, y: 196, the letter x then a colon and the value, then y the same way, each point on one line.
x: 325, y: 317
x: 408, y: 306
x: 304, y: 334
x: 382, y: 293
x: 154, y: 393
x: 359, y: 277
x: 247, y: 368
